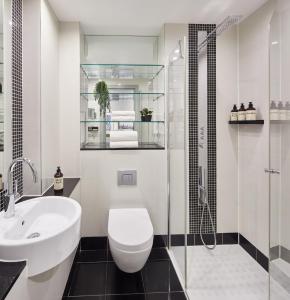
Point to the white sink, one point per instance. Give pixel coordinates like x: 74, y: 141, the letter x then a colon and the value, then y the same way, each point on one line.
x: 44, y: 231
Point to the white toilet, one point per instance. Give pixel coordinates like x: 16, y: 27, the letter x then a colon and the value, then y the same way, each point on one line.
x: 130, y: 234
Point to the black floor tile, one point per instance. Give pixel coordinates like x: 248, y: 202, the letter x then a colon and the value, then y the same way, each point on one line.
x: 92, y: 255
x: 119, y: 282
x: 103, y: 297
x: 177, y: 296
x: 126, y: 297
x: 160, y: 241
x: 166, y: 296
x: 110, y: 257
x: 88, y: 279
x: 158, y: 254
x: 94, y: 243
x: 160, y: 276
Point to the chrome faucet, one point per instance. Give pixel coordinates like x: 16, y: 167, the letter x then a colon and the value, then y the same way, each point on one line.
x: 12, y: 194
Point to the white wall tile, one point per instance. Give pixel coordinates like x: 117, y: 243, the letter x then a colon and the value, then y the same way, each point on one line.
x: 100, y: 192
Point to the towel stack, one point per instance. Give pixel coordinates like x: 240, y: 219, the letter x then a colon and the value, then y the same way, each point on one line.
x: 126, y: 137
x: 123, y: 116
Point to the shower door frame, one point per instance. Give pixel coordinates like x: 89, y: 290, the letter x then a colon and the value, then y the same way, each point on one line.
x: 186, y: 160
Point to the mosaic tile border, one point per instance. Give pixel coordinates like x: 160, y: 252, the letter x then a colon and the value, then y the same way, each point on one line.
x: 195, y: 210
x: 17, y: 96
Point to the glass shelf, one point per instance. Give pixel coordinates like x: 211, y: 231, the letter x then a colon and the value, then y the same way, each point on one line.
x: 125, y: 96
x: 121, y: 71
x: 106, y: 146
x: 107, y: 121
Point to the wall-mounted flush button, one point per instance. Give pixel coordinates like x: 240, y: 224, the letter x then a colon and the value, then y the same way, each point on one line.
x: 127, y: 177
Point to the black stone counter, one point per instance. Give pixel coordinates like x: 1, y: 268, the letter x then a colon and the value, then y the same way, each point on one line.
x: 69, y: 185
x: 9, y: 272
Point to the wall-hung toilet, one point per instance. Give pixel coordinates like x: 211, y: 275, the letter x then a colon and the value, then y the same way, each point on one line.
x: 130, y: 234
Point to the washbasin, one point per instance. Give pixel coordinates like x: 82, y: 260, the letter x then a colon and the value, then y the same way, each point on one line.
x: 44, y: 232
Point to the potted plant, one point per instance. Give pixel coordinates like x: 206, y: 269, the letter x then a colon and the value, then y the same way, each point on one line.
x: 101, y: 93
x: 146, y: 115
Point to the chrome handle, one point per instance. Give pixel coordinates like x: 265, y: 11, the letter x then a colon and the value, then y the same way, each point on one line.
x: 272, y: 171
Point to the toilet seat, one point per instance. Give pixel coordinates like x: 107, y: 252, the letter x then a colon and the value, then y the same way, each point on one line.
x: 130, y: 229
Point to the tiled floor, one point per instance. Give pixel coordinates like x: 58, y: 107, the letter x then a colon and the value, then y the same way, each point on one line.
x: 228, y: 272
x: 95, y: 276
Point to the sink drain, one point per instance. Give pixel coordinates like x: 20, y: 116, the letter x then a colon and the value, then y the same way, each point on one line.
x: 33, y: 235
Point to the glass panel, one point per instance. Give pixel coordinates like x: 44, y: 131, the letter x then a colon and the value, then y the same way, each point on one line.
x: 117, y: 71
x: 176, y: 157
x: 280, y: 154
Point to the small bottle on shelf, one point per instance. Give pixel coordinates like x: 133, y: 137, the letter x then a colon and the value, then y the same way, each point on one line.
x: 251, y: 113
x: 234, y: 113
x: 274, y: 112
x: 58, y: 181
x: 282, y: 111
x: 242, y: 113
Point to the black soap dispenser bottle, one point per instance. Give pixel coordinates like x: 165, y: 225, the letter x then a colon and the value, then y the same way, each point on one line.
x: 58, y: 181
x: 234, y: 113
x: 251, y: 114
x: 242, y: 113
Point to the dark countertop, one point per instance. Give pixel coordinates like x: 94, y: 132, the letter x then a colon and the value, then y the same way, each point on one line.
x: 9, y: 271
x: 68, y: 186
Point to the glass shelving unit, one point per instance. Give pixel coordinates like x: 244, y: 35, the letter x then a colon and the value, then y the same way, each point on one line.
x: 131, y: 88
x: 121, y: 72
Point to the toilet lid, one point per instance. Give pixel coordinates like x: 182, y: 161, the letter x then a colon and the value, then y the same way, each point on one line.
x: 130, y: 229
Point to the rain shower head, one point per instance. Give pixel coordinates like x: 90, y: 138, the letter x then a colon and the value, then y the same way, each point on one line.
x: 226, y: 24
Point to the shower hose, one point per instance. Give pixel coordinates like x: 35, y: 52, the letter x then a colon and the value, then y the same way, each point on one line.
x: 204, y: 206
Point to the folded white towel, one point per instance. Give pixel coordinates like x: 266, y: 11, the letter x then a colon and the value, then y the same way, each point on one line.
x: 124, y: 144
x: 123, y: 118
x: 123, y: 113
x: 123, y: 135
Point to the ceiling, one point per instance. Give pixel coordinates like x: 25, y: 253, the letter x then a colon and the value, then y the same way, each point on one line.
x: 145, y: 17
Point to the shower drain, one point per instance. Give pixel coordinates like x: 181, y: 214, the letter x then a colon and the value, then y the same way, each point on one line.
x: 33, y: 235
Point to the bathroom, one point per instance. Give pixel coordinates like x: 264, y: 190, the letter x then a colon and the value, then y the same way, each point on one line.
x: 143, y: 150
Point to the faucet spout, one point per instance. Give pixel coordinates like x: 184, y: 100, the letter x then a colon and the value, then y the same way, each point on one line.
x: 12, y: 194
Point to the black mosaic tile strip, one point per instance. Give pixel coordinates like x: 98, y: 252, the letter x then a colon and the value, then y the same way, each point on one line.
x: 94, y: 275
x: 195, y: 210
x: 17, y: 128
x: 17, y: 143
x: 254, y: 252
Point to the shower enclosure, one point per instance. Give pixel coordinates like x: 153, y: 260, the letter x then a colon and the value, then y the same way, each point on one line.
x: 279, y: 166
x: 213, y: 263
